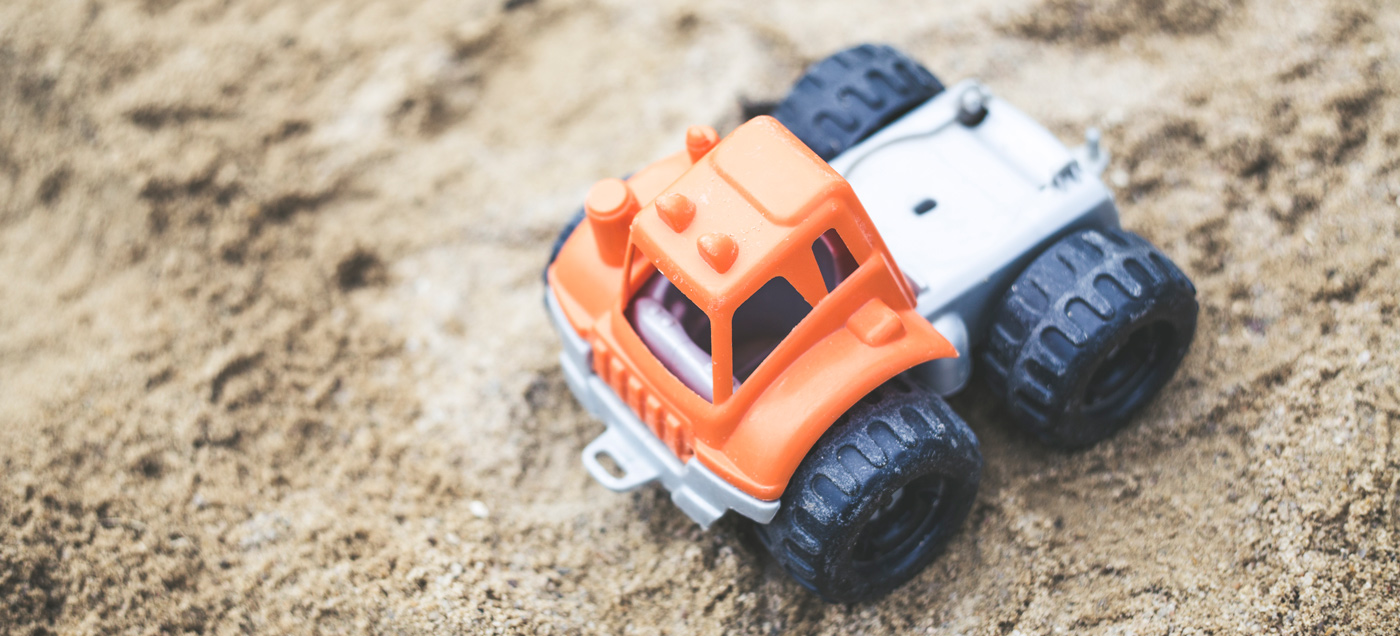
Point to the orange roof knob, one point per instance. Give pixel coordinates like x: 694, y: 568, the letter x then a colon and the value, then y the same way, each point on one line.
x: 610, y: 207
x: 719, y: 250
x: 699, y: 140
x: 676, y: 210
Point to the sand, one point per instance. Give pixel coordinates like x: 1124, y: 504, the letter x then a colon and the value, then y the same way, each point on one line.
x: 273, y: 358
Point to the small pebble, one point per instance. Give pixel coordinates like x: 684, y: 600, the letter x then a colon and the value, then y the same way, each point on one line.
x: 1119, y: 178
x: 478, y: 509
x: 1363, y: 358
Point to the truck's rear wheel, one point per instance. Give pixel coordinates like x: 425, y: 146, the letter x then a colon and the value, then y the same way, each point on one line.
x: 845, y: 98
x: 879, y: 495
x: 1088, y: 334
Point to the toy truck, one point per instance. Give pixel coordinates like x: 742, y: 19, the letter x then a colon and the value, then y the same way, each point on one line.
x: 768, y: 323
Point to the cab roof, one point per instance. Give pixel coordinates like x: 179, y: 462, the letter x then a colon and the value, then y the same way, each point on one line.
x: 760, y: 187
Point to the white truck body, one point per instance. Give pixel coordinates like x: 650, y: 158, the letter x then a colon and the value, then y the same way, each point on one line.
x: 1001, y: 191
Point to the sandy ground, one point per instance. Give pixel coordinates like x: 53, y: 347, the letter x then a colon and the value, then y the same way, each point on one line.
x: 273, y: 360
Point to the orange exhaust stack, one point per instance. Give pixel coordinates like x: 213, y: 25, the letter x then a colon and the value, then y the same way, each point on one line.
x: 610, y: 207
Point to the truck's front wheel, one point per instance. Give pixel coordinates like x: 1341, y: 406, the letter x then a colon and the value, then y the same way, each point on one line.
x: 879, y: 495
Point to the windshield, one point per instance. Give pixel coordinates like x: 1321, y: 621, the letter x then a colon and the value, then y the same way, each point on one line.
x: 682, y: 338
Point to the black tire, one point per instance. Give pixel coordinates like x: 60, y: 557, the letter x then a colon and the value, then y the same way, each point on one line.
x: 1088, y: 334
x: 902, y: 453
x: 564, y: 235
x: 845, y: 98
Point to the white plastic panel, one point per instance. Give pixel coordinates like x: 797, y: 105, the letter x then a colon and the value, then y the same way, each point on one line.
x: 997, y: 203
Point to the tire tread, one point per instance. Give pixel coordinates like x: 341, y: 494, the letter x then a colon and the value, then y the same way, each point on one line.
x: 895, y: 423
x: 848, y: 96
x: 1076, y: 275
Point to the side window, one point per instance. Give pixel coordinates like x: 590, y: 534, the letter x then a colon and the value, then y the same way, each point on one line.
x: 834, y: 260
x: 762, y: 322
x: 676, y: 331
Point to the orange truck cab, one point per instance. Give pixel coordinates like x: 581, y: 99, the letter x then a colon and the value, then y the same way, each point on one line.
x: 722, y: 308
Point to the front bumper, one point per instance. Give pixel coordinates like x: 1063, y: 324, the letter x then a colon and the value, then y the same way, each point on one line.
x: 643, y: 458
